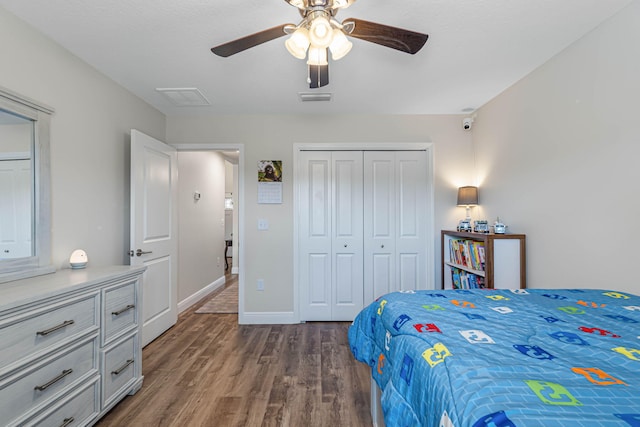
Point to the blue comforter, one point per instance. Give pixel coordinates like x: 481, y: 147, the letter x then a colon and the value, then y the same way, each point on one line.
x: 503, y: 358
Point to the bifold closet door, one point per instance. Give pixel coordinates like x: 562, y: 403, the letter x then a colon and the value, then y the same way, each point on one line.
x: 395, y: 212
x: 331, y: 235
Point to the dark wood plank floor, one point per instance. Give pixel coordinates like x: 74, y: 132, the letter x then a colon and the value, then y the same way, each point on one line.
x: 209, y: 371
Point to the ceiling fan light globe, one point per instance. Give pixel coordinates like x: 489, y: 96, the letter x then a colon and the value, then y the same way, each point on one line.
x: 321, y: 33
x: 340, y: 4
x: 300, y: 4
x: 317, y: 56
x: 298, y: 43
x: 340, y: 45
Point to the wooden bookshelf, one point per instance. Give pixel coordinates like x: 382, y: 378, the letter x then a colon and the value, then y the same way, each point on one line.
x: 503, y: 265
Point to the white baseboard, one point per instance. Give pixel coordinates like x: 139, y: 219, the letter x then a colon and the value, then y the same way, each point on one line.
x: 191, y: 300
x: 267, y: 318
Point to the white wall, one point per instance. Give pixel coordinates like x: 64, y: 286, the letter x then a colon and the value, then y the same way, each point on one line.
x: 557, y: 160
x: 89, y: 141
x: 269, y: 255
x: 201, y: 222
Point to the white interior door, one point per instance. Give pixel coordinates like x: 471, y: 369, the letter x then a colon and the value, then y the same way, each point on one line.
x: 15, y: 209
x: 380, y: 206
x: 411, y: 219
x: 346, y: 243
x: 153, y: 230
x: 395, y: 226
x: 315, y: 236
x: 331, y: 235
x: 363, y: 228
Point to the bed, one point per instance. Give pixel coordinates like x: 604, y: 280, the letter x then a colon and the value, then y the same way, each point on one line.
x: 503, y: 358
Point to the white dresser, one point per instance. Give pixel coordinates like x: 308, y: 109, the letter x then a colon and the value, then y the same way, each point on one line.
x: 69, y: 345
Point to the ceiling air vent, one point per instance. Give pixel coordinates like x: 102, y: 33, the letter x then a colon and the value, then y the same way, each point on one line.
x: 184, y: 96
x: 312, y: 96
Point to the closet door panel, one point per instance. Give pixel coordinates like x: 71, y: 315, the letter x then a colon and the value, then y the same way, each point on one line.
x: 315, y: 236
x: 347, y: 243
x: 410, y: 267
x: 319, y: 279
x: 362, y: 229
x: 379, y: 223
x: 381, y: 279
x: 412, y: 211
x: 344, y: 275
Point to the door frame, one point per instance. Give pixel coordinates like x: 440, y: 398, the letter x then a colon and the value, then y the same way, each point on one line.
x: 430, y: 249
x: 241, y: 210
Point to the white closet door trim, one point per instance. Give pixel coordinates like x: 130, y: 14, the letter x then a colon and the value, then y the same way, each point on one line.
x: 400, y: 146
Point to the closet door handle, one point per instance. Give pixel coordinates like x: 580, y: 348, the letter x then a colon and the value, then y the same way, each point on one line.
x: 67, y: 421
x: 345, y: 245
x: 382, y: 246
x: 140, y: 252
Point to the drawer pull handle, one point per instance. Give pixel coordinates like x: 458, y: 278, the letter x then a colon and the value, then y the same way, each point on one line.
x: 122, y: 368
x: 127, y: 308
x: 67, y: 421
x: 53, y: 381
x: 55, y: 328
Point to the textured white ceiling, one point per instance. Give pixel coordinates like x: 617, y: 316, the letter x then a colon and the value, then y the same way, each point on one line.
x: 476, y: 49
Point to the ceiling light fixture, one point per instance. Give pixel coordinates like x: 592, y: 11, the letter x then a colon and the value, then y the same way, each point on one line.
x: 298, y: 43
x: 320, y: 33
x: 314, y: 35
x: 340, y: 45
x: 317, y: 56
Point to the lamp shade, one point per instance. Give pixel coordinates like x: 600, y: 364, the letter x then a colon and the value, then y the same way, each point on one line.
x: 467, y: 196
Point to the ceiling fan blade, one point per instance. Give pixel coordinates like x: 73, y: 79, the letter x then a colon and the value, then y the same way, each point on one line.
x: 244, y: 43
x: 318, y: 76
x: 395, y: 38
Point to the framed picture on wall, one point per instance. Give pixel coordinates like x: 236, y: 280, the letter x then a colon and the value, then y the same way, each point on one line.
x: 270, y: 181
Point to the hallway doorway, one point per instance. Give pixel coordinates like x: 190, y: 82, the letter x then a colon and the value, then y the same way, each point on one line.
x: 207, y: 204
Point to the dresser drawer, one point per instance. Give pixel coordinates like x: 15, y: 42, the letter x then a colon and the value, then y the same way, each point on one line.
x: 120, y: 367
x: 119, y: 311
x: 43, y: 327
x: 40, y: 383
x: 78, y: 409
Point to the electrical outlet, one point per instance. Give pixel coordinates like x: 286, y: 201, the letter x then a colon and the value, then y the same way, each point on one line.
x: 260, y: 285
x: 218, y: 261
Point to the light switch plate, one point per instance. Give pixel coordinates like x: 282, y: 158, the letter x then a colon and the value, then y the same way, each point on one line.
x: 263, y: 224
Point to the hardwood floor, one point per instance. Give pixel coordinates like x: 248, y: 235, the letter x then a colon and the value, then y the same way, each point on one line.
x: 209, y: 371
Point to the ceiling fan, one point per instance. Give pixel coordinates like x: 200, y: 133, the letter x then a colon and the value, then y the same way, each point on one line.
x: 320, y: 32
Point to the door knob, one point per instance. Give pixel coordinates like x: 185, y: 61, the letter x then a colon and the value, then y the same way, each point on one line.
x: 140, y: 252
x: 345, y: 245
x: 382, y: 246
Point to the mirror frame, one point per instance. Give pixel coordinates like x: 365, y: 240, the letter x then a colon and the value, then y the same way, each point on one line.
x: 40, y: 263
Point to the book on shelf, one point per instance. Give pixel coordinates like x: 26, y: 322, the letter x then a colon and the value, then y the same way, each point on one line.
x: 468, y: 253
x: 462, y: 279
